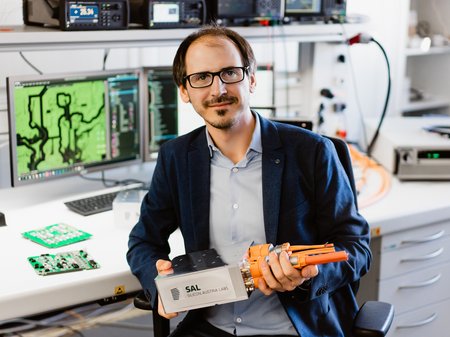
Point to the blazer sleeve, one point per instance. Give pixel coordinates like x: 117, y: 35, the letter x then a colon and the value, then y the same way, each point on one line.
x: 336, y: 220
x: 148, y: 240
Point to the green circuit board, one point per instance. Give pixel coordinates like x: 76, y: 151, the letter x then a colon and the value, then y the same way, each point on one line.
x: 56, y: 235
x: 49, y: 264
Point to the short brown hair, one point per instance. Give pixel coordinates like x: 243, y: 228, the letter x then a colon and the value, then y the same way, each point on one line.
x: 179, y: 62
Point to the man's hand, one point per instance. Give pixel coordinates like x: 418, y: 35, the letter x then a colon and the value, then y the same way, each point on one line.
x: 280, y: 275
x: 164, y: 267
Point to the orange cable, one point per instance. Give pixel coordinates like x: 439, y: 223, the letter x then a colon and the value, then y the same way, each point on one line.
x: 369, y: 165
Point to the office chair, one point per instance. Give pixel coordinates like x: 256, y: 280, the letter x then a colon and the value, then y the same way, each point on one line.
x: 373, y: 319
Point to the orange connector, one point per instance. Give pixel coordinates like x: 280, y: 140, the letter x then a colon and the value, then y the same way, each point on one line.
x: 299, y: 256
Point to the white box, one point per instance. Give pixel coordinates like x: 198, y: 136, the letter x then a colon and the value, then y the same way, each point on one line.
x: 127, y: 207
x: 186, y: 291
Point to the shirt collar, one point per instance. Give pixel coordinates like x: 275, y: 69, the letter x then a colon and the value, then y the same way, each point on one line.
x: 255, y: 143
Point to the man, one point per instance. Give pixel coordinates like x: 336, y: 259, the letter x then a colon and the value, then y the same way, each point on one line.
x: 244, y: 178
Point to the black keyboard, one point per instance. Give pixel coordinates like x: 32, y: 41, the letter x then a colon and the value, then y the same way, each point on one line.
x: 92, y: 205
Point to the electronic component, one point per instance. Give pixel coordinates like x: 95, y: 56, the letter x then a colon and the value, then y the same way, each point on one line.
x: 305, y: 124
x: 48, y: 264
x: 238, y: 12
x: 56, y: 235
x: 92, y: 205
x: 202, y: 279
x: 299, y: 256
x: 315, y: 10
x: 168, y: 13
x: 406, y: 147
x: 77, y: 14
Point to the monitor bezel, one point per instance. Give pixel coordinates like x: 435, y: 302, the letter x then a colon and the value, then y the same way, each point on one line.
x: 10, y: 80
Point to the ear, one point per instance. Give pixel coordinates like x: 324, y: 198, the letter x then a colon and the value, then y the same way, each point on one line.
x: 252, y: 80
x: 184, y: 94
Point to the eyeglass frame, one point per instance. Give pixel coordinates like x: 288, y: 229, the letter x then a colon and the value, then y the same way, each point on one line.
x: 187, y: 78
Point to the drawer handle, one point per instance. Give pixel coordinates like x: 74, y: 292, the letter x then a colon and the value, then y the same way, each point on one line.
x: 425, y: 257
x: 427, y: 320
x: 426, y: 283
x: 426, y: 239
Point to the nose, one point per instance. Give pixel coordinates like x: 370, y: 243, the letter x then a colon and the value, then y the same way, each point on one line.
x: 218, y: 87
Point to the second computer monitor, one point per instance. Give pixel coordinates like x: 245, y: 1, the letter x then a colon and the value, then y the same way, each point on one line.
x: 161, y: 101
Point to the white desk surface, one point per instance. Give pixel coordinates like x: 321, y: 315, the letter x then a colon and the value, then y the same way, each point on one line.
x: 23, y: 292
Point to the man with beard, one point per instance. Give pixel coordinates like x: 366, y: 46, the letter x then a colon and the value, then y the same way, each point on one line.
x: 244, y: 178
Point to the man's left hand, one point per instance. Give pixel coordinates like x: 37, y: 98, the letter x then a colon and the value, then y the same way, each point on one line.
x: 280, y: 275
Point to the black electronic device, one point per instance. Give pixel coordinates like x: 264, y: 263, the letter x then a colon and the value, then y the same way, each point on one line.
x: 77, y: 14
x: 161, y: 115
x: 315, y: 10
x: 92, y: 205
x: 2, y: 219
x: 168, y: 13
x: 239, y: 12
x: 305, y: 124
x: 72, y: 123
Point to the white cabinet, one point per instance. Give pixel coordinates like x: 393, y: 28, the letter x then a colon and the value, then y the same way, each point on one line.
x: 429, y: 321
x: 413, y: 275
x: 426, y: 74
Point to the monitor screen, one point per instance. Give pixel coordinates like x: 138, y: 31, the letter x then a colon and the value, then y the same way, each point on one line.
x: 166, y: 12
x: 302, y: 7
x: 161, y: 100
x: 67, y: 124
x: 235, y: 9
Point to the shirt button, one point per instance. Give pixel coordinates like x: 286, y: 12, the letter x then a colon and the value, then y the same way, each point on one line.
x: 235, y: 169
x: 239, y: 320
x: 235, y: 206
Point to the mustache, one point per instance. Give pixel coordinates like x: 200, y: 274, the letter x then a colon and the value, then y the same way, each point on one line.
x: 220, y: 99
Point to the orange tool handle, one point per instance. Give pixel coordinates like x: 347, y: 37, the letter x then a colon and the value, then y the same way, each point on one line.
x: 326, y: 258
x: 301, y: 261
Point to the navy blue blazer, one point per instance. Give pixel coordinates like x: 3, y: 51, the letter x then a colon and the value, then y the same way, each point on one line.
x: 307, y: 199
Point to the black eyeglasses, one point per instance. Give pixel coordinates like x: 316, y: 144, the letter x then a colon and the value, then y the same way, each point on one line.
x: 205, y: 79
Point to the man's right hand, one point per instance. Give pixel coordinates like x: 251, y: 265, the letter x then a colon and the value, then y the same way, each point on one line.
x: 164, y: 267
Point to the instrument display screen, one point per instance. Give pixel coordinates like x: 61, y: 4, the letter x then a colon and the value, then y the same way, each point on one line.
x: 169, y: 12
x: 79, y: 12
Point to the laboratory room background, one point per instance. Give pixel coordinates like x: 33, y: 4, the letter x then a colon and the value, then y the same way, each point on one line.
x: 87, y: 99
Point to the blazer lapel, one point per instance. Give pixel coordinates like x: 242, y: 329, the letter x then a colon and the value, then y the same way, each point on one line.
x: 272, y: 172
x: 199, y: 187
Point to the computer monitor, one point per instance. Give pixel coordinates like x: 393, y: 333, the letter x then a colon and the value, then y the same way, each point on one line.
x: 161, y: 102
x: 66, y: 124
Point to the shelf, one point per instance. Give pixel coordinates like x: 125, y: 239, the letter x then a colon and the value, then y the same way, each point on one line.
x: 431, y: 51
x: 29, y: 38
x: 426, y: 105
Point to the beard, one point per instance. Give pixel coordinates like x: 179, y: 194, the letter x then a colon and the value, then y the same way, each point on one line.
x: 222, y: 124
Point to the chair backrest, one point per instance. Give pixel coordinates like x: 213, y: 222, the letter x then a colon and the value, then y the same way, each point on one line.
x: 346, y: 161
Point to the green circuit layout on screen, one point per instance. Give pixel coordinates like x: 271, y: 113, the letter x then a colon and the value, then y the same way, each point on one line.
x: 60, y: 124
